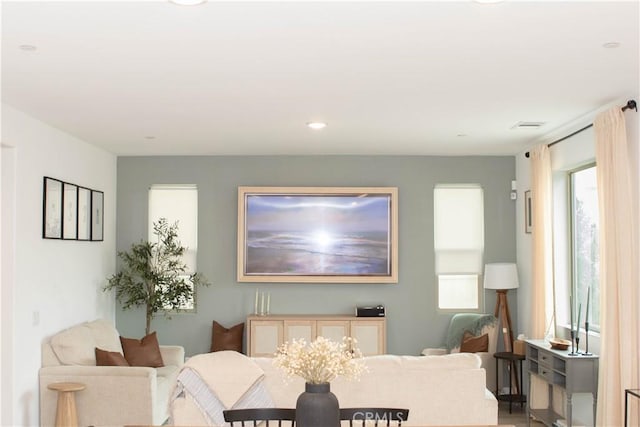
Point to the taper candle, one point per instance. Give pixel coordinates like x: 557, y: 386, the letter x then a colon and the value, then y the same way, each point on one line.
x: 586, y: 314
x: 571, y: 312
x: 262, y: 304
x: 255, y: 304
x: 268, y: 301
x: 578, y: 324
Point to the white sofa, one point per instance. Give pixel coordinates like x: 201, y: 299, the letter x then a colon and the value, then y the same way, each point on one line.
x: 438, y: 390
x: 114, y: 395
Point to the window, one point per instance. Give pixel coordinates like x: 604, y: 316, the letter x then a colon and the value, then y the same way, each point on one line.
x: 584, y: 243
x: 459, y: 245
x: 177, y: 203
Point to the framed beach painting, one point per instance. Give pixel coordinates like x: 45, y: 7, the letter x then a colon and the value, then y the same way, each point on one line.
x: 318, y: 234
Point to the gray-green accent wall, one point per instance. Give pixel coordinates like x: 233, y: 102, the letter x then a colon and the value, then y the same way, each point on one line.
x: 413, y: 320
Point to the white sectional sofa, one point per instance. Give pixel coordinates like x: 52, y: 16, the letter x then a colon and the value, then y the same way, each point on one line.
x: 114, y: 395
x: 438, y: 390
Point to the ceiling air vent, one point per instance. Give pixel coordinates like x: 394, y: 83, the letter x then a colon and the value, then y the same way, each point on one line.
x: 528, y: 125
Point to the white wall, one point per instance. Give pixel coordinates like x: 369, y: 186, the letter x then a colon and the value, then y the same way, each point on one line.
x: 56, y: 284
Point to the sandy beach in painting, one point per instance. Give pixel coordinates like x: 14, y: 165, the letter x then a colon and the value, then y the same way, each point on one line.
x: 296, y: 253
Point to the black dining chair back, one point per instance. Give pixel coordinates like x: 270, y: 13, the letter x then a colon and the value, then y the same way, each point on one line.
x: 251, y: 417
x: 376, y: 416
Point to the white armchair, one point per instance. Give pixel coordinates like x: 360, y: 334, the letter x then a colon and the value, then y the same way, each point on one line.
x: 114, y: 395
x: 478, y: 325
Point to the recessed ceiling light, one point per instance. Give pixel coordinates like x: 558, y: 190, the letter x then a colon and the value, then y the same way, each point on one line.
x: 317, y: 125
x: 611, y: 45
x: 28, y: 47
x: 187, y: 2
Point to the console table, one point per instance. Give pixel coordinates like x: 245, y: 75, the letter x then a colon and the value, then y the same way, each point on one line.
x: 575, y: 374
x: 266, y: 333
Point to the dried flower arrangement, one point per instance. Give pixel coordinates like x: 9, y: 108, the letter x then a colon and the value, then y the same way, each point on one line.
x: 320, y: 361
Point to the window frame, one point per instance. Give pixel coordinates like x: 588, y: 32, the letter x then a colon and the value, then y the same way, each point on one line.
x: 188, y: 273
x: 478, y: 276
x: 573, y: 289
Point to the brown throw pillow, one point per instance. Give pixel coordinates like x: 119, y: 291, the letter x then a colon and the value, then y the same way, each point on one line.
x: 110, y: 358
x: 473, y: 344
x: 227, y: 339
x: 144, y: 352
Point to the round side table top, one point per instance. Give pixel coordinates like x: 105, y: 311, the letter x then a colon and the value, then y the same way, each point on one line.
x: 66, y: 386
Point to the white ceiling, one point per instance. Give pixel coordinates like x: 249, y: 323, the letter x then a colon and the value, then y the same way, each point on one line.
x: 388, y: 77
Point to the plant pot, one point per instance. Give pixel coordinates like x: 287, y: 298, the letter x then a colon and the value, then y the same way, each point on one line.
x: 317, y: 407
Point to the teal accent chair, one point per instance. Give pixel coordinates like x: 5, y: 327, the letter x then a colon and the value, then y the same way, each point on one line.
x: 478, y: 324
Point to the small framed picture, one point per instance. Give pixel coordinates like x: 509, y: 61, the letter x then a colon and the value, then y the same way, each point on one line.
x: 97, y: 215
x: 84, y: 213
x: 52, y: 209
x: 528, y: 218
x: 69, y: 211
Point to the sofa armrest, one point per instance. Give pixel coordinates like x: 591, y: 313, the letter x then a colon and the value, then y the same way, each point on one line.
x: 172, y: 355
x: 434, y: 351
x: 107, y: 397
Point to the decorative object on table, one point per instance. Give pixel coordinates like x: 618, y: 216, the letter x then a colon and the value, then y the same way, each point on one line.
x: 502, y: 276
x: 318, y: 234
x: 586, y: 325
x: 377, y: 311
x: 318, y: 363
x: 154, y: 275
x: 260, y: 302
x: 559, y: 343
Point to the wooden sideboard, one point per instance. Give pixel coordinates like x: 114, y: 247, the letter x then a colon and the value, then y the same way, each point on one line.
x: 575, y: 374
x: 266, y: 333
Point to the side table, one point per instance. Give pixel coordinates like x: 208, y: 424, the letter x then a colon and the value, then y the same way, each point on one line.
x: 66, y: 414
x: 512, y: 358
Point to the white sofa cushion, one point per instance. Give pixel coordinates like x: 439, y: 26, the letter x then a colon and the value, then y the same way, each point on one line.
x: 76, y: 345
x: 105, y: 335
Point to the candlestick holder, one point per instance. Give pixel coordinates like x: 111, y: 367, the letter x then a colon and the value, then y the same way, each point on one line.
x: 586, y: 340
x: 573, y: 338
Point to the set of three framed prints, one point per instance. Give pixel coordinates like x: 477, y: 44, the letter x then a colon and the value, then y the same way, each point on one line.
x: 72, y: 212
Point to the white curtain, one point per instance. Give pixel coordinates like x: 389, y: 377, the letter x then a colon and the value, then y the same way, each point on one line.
x: 542, y: 262
x: 619, y: 319
x: 542, y: 226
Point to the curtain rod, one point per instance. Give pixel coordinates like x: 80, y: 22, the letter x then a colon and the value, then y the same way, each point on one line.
x: 631, y: 104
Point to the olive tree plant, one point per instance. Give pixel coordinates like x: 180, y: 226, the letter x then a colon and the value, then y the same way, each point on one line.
x: 154, y: 275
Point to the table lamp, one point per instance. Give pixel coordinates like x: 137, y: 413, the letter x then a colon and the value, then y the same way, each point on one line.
x: 502, y: 276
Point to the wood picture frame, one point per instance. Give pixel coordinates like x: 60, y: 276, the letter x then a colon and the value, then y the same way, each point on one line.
x: 318, y: 234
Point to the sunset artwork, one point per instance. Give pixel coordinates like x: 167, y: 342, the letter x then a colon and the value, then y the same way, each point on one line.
x: 318, y: 235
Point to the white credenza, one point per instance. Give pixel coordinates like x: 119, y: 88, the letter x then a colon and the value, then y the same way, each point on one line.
x: 266, y: 333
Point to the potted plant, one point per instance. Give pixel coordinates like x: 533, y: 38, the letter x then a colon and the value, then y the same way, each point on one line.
x: 154, y: 275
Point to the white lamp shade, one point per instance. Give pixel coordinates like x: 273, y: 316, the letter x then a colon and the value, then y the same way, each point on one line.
x: 500, y: 275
